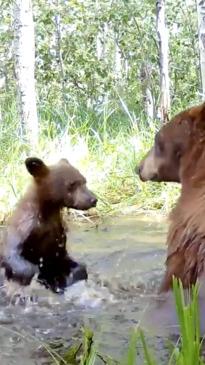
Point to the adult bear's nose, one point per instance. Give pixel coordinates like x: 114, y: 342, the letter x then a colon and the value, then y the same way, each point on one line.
x: 93, y: 201
x: 138, y: 169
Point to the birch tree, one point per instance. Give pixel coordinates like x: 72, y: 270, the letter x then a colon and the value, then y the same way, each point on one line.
x: 118, y: 60
x: 201, y: 33
x: 145, y: 76
x: 24, y: 53
x: 59, y: 58
x: 162, y: 33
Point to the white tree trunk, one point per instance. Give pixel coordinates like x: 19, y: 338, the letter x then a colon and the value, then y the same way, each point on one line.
x: 145, y: 77
x: 99, y: 46
x: 101, y: 42
x: 149, y: 104
x: 59, y: 58
x: 24, y: 52
x: 201, y: 33
x: 102, y: 52
x: 117, y: 62
x: 162, y: 33
x: 126, y: 68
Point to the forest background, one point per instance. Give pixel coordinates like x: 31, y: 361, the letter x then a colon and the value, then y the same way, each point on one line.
x: 92, y: 81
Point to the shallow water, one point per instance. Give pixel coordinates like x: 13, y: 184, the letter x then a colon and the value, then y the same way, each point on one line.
x: 125, y: 259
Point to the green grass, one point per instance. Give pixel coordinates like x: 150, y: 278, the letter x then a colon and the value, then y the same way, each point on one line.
x: 105, y: 146
x: 186, y: 351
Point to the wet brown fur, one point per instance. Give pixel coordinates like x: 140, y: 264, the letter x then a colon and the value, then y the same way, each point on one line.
x: 35, y: 240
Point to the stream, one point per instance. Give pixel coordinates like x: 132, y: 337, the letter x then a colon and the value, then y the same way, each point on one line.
x: 125, y: 259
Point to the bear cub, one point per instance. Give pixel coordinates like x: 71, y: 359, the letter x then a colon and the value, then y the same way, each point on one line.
x: 36, y: 234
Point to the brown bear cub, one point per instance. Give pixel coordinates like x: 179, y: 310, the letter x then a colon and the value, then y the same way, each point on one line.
x: 36, y: 234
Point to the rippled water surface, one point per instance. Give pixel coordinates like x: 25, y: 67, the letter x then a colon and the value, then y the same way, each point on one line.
x: 125, y: 259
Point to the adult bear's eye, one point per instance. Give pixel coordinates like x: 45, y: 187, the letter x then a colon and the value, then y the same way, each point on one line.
x: 159, y: 147
x: 72, y: 186
x: 177, y: 152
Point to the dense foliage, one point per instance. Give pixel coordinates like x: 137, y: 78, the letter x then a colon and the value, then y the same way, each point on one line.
x: 95, y: 62
x: 89, y: 53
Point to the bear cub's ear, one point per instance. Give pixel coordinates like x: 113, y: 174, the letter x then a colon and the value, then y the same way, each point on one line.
x: 36, y: 167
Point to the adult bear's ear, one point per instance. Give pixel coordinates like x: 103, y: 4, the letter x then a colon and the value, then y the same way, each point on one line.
x: 198, y: 117
x: 36, y: 167
x: 64, y: 160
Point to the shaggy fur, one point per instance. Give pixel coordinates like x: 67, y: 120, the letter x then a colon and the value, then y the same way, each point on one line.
x: 36, y: 233
x: 179, y: 155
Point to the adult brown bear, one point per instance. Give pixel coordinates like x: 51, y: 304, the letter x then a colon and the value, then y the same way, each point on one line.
x: 178, y: 155
x: 36, y: 234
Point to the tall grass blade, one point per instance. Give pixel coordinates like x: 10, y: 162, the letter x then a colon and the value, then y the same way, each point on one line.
x: 189, y: 351
x: 150, y: 360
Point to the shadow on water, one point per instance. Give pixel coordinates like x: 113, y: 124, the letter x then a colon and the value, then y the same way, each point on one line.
x: 125, y: 259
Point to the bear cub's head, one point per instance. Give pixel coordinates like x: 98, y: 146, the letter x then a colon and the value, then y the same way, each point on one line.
x: 60, y: 185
